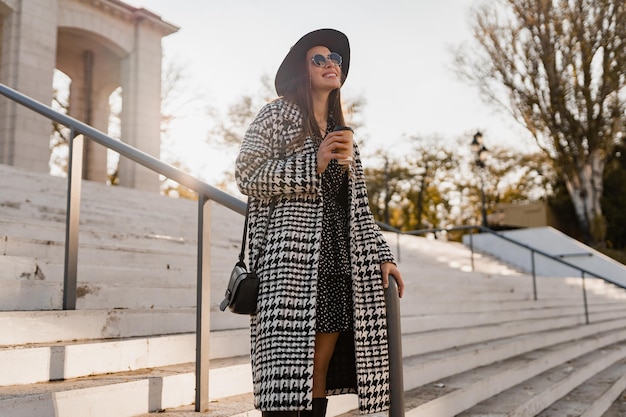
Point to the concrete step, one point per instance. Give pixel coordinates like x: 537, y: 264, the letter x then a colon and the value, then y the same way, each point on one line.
x: 96, y: 254
x: 428, y: 322
x: 458, y: 321
x: 33, y: 196
x: 34, y: 284
x: 534, y: 395
x: 53, y: 231
x: 125, y: 394
x: 434, y: 274
x: 447, y: 397
x: 451, y: 338
x: 618, y: 408
x: 236, y: 405
x: 473, y: 280
x: 21, y: 268
x: 29, y: 284
x: 595, y: 396
x: 522, y: 364
x: 26, y: 187
x: 418, y: 305
x: 27, y: 327
x: 243, y: 406
x: 120, y: 236
x: 33, y: 363
x: 414, y: 344
x: 118, y: 213
x: 37, y: 295
x: 427, y: 368
x: 42, y: 363
x: 453, y: 255
x: 32, y: 327
x: 126, y: 270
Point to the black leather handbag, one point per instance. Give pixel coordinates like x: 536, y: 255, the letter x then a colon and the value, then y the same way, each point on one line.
x: 243, y: 287
x: 242, y: 291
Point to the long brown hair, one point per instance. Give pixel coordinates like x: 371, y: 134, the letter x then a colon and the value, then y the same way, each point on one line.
x: 299, y: 92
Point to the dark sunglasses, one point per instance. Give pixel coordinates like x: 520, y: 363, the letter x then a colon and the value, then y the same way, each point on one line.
x: 323, y: 61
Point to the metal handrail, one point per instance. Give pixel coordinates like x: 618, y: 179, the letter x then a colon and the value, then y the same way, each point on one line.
x: 128, y: 151
x: 206, y: 192
x: 556, y: 258
x: 394, y: 335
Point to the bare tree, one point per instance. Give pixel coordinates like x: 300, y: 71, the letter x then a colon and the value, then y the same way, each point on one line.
x: 559, y: 67
x: 229, y: 129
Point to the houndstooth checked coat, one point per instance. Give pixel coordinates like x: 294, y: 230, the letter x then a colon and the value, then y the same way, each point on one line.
x: 283, y: 330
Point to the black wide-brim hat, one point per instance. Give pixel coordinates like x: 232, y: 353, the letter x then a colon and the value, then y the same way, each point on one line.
x: 330, y: 38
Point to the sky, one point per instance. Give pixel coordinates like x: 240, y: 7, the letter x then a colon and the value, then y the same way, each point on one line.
x: 401, y: 64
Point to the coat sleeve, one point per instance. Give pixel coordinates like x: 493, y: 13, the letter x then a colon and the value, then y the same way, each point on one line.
x: 261, y: 172
x: 384, y: 251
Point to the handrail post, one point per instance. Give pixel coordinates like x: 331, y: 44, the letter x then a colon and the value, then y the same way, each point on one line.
x: 532, y: 261
x: 585, y: 298
x: 203, y: 303
x: 472, y: 247
x: 72, y: 219
x: 394, y: 336
x: 398, y: 245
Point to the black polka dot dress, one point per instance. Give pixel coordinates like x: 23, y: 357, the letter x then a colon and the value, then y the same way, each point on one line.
x: 334, y: 286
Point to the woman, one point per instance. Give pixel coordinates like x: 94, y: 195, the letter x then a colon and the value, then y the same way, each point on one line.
x: 323, y: 263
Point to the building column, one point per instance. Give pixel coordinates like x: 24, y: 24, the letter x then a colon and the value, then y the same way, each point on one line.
x: 27, y: 62
x: 93, y: 80
x: 141, y: 109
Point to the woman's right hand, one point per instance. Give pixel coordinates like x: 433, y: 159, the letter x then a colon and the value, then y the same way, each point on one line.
x: 336, y: 145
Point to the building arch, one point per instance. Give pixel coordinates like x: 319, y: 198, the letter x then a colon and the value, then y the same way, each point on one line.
x: 101, y: 45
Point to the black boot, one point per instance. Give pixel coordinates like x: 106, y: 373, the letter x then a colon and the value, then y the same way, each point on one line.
x: 319, y: 407
x: 279, y: 413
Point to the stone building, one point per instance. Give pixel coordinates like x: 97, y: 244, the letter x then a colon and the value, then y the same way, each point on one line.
x: 100, y: 45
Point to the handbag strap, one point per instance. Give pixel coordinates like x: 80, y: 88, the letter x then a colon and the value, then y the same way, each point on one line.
x: 242, y: 254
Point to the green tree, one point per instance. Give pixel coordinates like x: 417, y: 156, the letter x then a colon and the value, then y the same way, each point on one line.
x: 434, y: 186
x: 559, y: 67
x: 385, y: 189
x: 411, y: 191
x: 431, y: 163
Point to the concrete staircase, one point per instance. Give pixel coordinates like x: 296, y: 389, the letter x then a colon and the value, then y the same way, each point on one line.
x: 475, y: 343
